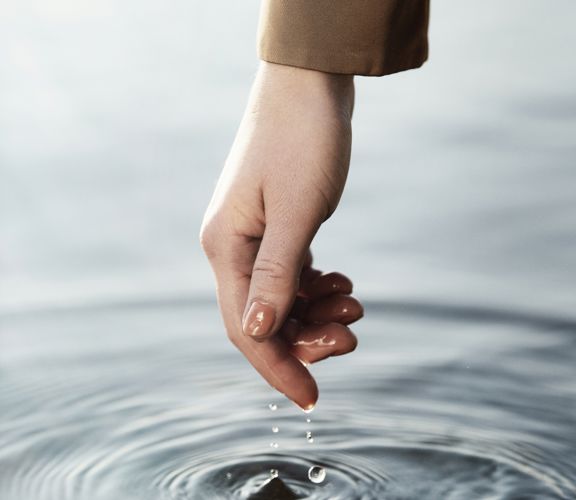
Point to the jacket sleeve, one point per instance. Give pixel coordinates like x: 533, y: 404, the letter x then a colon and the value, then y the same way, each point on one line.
x: 359, y: 37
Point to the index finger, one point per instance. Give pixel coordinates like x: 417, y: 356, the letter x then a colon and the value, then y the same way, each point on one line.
x: 272, y: 359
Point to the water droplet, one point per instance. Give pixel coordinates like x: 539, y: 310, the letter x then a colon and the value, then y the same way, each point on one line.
x: 309, y: 437
x: 273, y: 473
x: 274, y: 445
x: 275, y: 429
x: 273, y: 407
x: 228, y: 476
x: 316, y: 474
x: 308, y: 420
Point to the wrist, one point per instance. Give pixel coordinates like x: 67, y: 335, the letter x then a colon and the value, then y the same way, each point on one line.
x: 296, y: 81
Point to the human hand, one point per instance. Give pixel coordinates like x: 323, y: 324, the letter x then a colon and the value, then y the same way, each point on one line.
x: 283, y: 177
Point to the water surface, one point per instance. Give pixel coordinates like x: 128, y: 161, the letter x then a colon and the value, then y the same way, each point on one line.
x: 436, y: 403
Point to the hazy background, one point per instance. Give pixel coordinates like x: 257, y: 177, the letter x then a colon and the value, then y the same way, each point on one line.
x: 116, y: 117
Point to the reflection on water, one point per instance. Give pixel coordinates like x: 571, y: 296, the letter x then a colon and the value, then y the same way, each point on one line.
x: 140, y: 403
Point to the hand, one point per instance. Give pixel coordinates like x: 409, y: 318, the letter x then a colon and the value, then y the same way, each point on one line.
x: 283, y: 177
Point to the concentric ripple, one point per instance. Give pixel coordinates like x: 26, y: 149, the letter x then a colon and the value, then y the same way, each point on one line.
x: 178, y: 417
x: 249, y: 477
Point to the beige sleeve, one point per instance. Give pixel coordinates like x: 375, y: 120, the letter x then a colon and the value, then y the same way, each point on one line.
x: 359, y: 37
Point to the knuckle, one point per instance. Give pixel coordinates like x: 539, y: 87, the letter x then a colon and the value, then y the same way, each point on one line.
x: 273, y: 271
x: 210, y: 235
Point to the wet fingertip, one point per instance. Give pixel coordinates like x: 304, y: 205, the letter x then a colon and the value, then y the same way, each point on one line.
x: 350, y: 345
x: 357, y: 314
x: 342, y: 284
x: 307, y: 401
x: 308, y: 407
x: 354, y: 343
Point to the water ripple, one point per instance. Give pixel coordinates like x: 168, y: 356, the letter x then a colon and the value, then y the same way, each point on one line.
x: 178, y: 419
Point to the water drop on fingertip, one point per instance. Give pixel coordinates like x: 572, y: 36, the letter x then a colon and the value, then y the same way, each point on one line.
x: 316, y: 474
x: 274, y: 473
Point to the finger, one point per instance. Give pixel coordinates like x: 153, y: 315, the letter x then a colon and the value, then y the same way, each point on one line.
x: 337, y: 308
x: 307, y: 259
x: 290, y: 330
x: 281, y: 369
x: 316, y: 342
x: 299, y: 308
x: 275, y: 275
x: 326, y: 284
x: 271, y: 359
x: 307, y: 276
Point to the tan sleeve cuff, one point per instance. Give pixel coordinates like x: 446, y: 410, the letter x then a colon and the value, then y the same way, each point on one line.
x: 358, y: 37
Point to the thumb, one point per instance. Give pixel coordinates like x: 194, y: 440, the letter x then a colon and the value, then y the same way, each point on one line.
x: 275, y: 275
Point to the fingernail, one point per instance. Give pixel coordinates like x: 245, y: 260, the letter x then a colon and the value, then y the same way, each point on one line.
x: 259, y: 320
x: 306, y: 408
x: 309, y: 408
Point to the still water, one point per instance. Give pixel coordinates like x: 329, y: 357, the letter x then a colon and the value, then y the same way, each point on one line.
x: 458, y: 227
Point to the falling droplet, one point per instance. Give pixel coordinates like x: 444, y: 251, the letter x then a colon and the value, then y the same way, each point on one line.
x: 273, y: 473
x: 273, y: 406
x: 316, y: 474
x: 309, y: 437
x: 275, y: 429
x: 308, y: 420
x: 274, y: 445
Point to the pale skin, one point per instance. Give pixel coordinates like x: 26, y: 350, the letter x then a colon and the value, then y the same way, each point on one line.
x: 282, y: 179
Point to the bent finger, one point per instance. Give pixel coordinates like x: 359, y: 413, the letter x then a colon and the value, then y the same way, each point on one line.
x: 316, y: 342
x: 337, y: 308
x: 326, y: 284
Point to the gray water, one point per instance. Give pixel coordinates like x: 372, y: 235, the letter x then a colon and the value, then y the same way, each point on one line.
x: 458, y: 227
